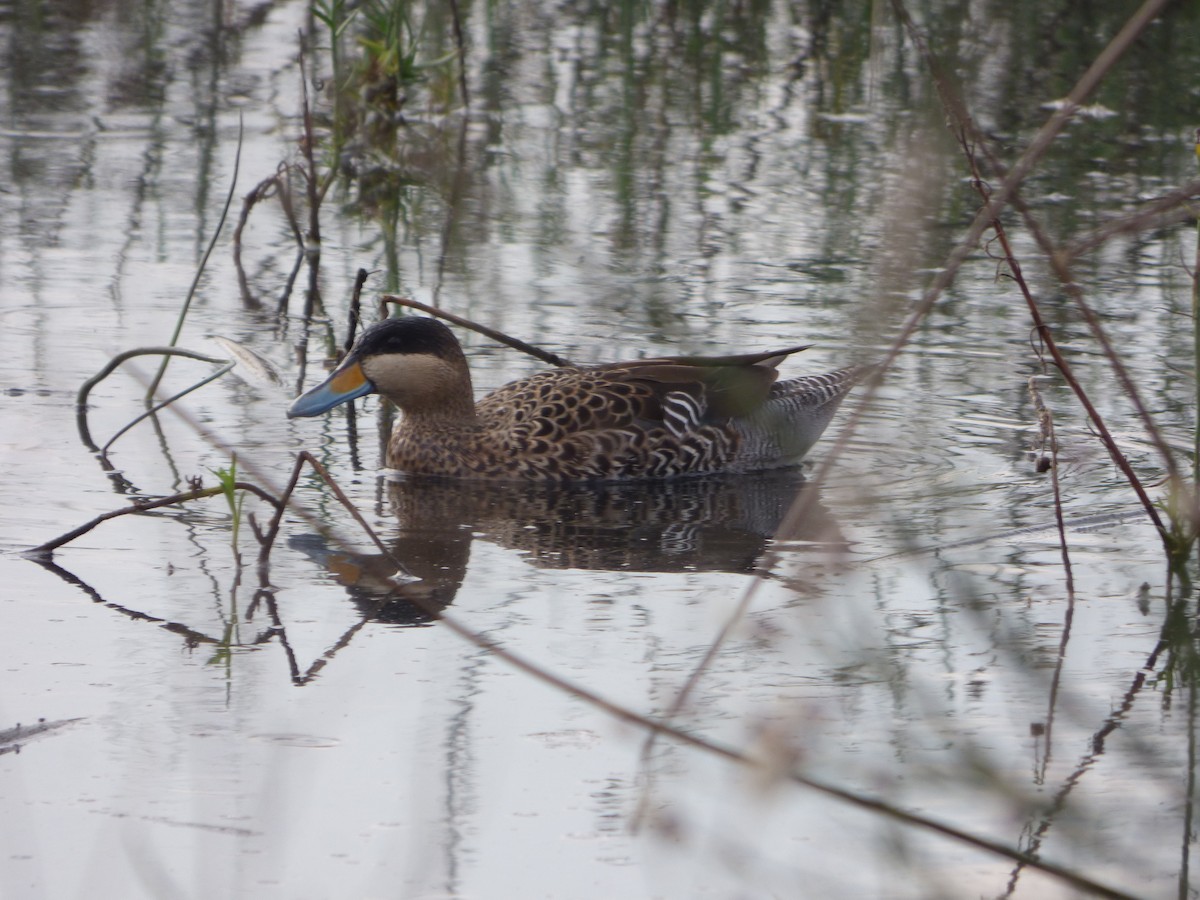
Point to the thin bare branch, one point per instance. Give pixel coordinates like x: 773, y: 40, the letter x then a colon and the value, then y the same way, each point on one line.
x: 499, y: 337
x: 970, y: 137
x: 1162, y: 212
x: 984, y: 220
x: 212, y: 242
x: 142, y: 506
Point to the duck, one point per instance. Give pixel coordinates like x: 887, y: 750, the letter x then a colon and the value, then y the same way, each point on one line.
x: 655, y: 418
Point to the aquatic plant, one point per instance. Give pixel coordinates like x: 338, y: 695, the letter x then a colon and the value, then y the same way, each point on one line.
x: 227, y: 479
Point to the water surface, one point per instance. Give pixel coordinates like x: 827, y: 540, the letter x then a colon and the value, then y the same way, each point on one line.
x: 631, y: 180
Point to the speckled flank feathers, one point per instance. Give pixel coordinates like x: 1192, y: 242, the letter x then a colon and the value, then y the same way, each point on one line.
x: 653, y: 418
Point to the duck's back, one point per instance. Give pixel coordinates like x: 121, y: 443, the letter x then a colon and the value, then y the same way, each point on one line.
x: 649, y: 419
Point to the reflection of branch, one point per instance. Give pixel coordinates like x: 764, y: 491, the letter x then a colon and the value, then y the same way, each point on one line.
x: 280, y: 631
x: 1189, y: 803
x: 1109, y: 725
x: 12, y: 739
x: 164, y: 404
x: 273, y: 186
x: 193, y: 638
x: 462, y: 57
x: 453, y: 202
x: 316, y: 195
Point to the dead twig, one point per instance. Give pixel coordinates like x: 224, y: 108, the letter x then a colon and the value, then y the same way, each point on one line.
x: 312, y: 237
x: 275, y: 186
x: 497, y: 336
x: 142, y: 506
x: 360, y: 279
x: 303, y: 457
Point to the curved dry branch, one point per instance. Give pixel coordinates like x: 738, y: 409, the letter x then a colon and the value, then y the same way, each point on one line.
x: 85, y: 389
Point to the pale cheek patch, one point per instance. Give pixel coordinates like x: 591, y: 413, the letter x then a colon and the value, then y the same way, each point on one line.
x: 421, y: 383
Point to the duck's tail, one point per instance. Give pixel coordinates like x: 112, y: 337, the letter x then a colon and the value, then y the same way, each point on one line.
x: 794, y: 417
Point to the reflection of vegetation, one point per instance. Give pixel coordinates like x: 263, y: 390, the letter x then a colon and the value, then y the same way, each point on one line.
x: 375, y: 56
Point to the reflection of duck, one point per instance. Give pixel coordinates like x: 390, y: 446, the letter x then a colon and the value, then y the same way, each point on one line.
x: 719, y: 523
x: 651, y: 418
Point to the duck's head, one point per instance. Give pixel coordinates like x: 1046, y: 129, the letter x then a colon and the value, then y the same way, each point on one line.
x: 415, y: 362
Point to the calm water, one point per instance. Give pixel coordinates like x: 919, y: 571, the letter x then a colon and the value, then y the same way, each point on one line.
x: 632, y: 180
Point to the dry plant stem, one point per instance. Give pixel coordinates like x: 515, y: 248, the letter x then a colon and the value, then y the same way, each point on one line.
x: 289, y: 210
x: 164, y: 404
x: 86, y: 389
x: 982, y: 222
x: 497, y: 336
x: 260, y: 192
x: 1072, y: 289
x: 453, y: 205
x: 360, y: 279
x: 187, y: 302
x: 278, y: 184
x: 968, y: 136
x: 1062, y: 271
x: 141, y: 506
x: 1162, y: 212
x: 1046, y: 422
x: 273, y: 529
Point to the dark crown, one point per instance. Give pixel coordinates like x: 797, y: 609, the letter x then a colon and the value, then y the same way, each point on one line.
x: 409, y: 334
